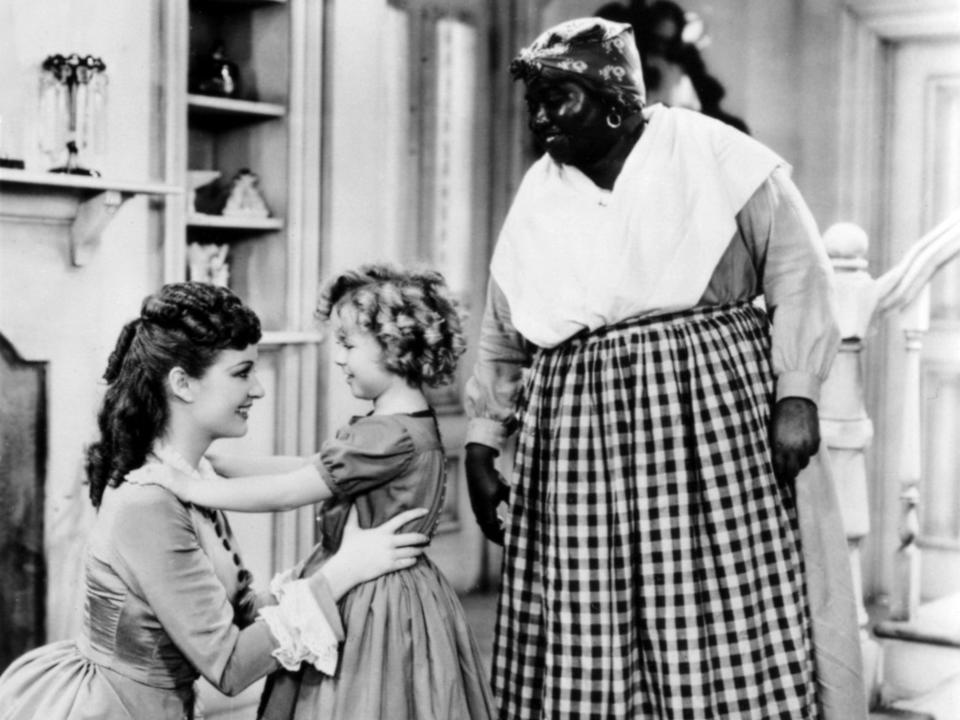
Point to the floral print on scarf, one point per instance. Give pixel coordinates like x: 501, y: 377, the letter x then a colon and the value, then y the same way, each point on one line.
x: 601, y: 53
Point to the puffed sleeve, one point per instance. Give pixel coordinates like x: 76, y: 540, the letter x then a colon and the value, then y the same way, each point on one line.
x: 368, y: 453
x: 173, y: 574
x: 490, y: 396
x: 797, y: 286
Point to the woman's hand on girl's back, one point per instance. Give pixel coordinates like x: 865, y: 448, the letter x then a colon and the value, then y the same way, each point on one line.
x: 368, y: 554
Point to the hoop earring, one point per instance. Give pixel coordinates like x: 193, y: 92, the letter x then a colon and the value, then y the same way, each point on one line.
x: 614, y: 120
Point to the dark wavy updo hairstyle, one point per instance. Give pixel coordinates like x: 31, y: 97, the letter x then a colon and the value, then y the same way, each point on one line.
x: 411, y: 313
x: 183, y: 325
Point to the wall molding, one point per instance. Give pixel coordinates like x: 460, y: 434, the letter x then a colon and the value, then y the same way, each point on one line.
x: 905, y: 19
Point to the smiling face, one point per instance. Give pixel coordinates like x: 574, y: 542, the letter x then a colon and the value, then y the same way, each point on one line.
x: 223, y: 395
x: 358, y: 353
x: 569, y: 122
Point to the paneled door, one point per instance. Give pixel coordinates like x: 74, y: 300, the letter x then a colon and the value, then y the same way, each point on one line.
x: 924, y: 186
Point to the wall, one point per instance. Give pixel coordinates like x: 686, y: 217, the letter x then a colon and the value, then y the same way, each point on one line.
x: 406, y: 179
x: 50, y: 310
x: 358, y: 189
x: 779, y: 60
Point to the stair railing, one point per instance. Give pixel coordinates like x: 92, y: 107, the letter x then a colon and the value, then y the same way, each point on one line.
x: 846, y: 428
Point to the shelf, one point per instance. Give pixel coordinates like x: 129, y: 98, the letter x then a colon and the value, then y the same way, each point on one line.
x: 226, y: 222
x: 241, y: 3
x: 217, y: 112
x: 92, y: 185
x: 91, y: 202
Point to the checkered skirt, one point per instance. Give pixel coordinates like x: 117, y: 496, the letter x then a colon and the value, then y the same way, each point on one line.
x: 652, y: 566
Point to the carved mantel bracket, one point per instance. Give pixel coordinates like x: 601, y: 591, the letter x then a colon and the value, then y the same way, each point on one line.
x: 88, y: 204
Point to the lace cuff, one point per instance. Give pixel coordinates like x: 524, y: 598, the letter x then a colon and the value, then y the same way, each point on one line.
x: 281, y: 579
x: 300, y: 626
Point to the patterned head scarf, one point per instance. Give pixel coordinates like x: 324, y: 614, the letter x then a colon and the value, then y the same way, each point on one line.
x: 600, y: 53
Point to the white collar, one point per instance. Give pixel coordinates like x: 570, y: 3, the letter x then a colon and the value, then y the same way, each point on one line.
x: 170, y: 456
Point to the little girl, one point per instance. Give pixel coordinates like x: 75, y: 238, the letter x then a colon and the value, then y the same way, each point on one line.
x: 408, y: 651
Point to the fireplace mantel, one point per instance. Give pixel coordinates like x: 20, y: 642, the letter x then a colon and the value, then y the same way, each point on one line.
x: 87, y: 203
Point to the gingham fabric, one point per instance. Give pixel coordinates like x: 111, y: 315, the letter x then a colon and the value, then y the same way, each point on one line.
x: 652, y: 565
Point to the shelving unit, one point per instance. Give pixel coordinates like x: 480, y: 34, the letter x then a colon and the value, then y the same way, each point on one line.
x: 249, y: 130
x: 275, y: 45
x: 271, y: 127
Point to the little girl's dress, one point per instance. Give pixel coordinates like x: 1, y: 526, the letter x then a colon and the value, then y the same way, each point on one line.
x: 409, y: 653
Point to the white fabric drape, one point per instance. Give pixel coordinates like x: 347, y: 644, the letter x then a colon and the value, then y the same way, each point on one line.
x: 572, y: 256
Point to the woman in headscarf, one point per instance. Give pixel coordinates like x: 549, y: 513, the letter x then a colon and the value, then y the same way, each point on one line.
x: 655, y: 562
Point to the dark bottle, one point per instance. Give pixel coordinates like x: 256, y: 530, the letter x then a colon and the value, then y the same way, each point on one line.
x: 214, y: 74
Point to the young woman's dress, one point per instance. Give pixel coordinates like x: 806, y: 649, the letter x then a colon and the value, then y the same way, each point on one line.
x: 409, y: 653
x: 166, y: 599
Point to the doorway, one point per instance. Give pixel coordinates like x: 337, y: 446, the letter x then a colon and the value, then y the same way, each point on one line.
x: 923, y: 188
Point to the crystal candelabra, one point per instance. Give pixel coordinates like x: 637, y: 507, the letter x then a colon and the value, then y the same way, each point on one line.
x: 72, y: 109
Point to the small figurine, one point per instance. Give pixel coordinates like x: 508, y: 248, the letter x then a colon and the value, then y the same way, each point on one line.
x: 208, y: 263
x: 245, y: 199
x: 214, y: 74
x: 206, y: 195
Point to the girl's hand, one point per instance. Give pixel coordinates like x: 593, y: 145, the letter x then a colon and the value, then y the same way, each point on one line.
x: 368, y: 554
x: 174, y: 482
x: 220, y: 463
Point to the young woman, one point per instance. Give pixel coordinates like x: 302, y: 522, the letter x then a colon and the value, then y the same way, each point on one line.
x: 409, y: 653
x: 167, y: 595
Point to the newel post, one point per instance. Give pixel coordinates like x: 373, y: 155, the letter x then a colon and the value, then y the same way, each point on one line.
x: 845, y: 427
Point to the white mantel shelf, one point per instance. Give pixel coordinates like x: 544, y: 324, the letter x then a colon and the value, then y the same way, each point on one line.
x: 53, y: 181
x: 92, y: 202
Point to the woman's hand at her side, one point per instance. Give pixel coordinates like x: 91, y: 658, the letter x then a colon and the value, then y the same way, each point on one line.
x: 487, y: 490
x: 368, y: 554
x: 795, y: 436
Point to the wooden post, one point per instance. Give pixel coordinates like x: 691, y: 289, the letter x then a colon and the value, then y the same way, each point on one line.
x: 899, y: 296
x: 845, y: 427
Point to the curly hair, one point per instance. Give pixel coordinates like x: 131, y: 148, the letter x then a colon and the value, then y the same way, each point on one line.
x: 411, y: 314
x: 182, y: 325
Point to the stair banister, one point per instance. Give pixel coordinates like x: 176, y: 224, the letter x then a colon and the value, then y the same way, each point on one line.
x: 901, y: 285
x: 847, y: 429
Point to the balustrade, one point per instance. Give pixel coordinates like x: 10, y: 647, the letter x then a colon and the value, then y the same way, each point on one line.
x: 900, y: 295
